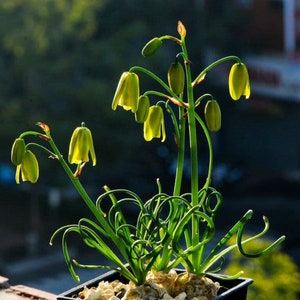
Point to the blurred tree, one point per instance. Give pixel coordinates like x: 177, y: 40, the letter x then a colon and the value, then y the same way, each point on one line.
x: 61, y: 61
x: 276, y: 276
x: 42, y: 26
x: 43, y: 52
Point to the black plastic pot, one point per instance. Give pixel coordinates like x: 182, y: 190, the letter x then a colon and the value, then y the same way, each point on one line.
x: 230, y: 289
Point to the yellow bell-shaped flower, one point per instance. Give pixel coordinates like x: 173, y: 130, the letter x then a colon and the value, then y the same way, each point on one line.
x: 127, y: 92
x: 81, y: 146
x: 154, y: 126
x: 239, y: 84
x: 28, y: 168
x: 17, y: 151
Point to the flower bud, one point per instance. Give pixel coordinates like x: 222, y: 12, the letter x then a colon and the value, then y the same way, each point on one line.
x: 143, y: 108
x: 29, y: 168
x: 151, y: 47
x: 181, y: 29
x: 154, y: 126
x: 81, y: 146
x: 17, y: 151
x: 176, y: 78
x: 239, y: 81
x: 212, y: 114
x: 127, y: 92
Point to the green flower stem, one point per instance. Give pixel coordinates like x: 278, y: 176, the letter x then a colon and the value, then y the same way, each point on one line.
x: 202, y: 97
x: 26, y: 133
x: 176, y: 126
x: 170, y: 37
x: 156, y: 93
x: 77, y: 184
x: 180, y: 130
x: 81, y: 190
x: 180, y: 153
x: 157, y: 79
x: 213, y: 65
x: 180, y: 136
x: 50, y: 153
x: 211, y: 154
x: 193, y: 152
x: 75, y: 181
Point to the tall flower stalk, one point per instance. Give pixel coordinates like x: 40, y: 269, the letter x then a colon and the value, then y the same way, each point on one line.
x: 170, y: 230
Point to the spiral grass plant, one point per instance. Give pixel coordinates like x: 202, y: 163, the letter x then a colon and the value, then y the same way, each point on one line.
x: 170, y: 230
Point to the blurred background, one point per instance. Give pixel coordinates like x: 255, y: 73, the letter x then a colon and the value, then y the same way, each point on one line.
x: 61, y: 61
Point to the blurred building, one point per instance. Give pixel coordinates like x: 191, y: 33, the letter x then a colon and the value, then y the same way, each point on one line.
x: 269, y: 32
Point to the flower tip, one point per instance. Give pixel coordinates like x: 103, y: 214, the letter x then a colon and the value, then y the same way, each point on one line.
x: 265, y: 218
x: 44, y: 127
x: 181, y: 29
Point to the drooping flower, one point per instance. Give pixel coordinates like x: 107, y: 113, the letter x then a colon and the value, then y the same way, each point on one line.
x: 212, y: 114
x: 81, y: 146
x: 28, y: 168
x: 176, y: 77
x: 17, y: 151
x: 154, y: 126
x: 143, y: 109
x: 239, y: 81
x: 127, y: 92
x: 151, y: 47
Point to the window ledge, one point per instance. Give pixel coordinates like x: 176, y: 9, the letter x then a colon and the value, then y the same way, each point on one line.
x: 21, y: 292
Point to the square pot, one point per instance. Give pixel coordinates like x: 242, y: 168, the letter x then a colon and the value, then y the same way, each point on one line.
x: 235, y: 289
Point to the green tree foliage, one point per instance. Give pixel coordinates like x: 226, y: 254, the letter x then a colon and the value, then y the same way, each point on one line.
x: 34, y: 27
x: 61, y: 60
x: 41, y: 60
x: 275, y: 275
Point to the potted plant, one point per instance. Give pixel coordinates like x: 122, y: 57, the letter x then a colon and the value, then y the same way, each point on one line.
x: 169, y: 230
